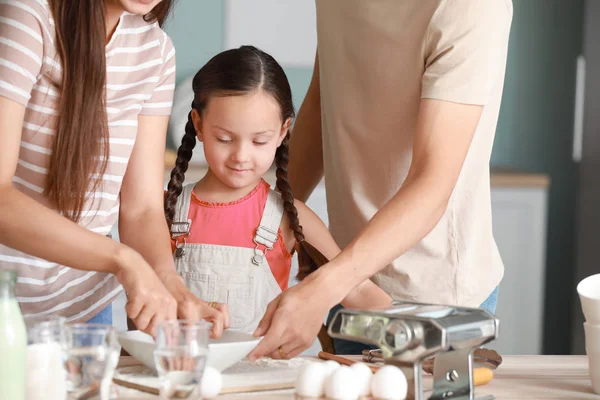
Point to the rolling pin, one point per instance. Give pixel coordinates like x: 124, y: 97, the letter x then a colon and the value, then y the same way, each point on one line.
x: 481, y: 376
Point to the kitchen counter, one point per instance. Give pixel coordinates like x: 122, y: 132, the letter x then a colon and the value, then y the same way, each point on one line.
x: 519, y: 377
x: 516, y: 179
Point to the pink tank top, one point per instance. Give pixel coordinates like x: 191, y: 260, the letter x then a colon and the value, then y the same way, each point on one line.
x: 234, y: 224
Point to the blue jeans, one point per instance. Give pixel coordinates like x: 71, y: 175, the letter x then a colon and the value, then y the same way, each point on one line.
x: 347, y: 347
x: 103, y: 317
x: 491, y: 302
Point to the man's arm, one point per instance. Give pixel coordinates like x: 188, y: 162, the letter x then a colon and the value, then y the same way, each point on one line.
x: 444, y: 133
x: 306, y: 150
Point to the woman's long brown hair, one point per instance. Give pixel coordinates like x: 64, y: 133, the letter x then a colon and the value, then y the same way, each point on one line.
x: 80, y: 147
x: 237, y: 72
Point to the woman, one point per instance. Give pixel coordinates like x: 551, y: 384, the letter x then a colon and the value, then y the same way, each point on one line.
x: 85, y: 96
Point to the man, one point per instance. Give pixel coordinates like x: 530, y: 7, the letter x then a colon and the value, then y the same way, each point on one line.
x: 400, y: 117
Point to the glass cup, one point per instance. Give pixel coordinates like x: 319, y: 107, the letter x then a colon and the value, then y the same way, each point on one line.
x: 46, y: 375
x: 180, y: 357
x: 92, y: 356
x: 45, y: 329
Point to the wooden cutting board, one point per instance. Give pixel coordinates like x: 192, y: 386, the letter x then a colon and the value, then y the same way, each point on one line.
x: 265, y: 375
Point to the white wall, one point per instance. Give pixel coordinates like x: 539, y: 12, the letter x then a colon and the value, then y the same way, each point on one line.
x: 286, y: 29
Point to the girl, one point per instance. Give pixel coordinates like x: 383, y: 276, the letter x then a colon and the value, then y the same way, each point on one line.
x: 233, y: 236
x: 85, y: 93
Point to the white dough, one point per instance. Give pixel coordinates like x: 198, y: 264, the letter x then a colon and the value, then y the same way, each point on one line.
x: 389, y: 383
x: 211, y: 383
x: 311, y: 380
x: 341, y: 384
x: 363, y: 376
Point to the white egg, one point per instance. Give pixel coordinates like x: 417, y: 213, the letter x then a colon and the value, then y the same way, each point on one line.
x: 330, y: 366
x: 167, y: 388
x: 389, y: 383
x: 341, y: 384
x: 211, y: 383
x: 311, y: 380
x: 172, y: 380
x: 363, y: 376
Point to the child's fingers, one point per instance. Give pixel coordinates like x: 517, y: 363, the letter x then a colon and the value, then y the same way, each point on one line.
x: 217, y: 328
x: 217, y: 318
x: 225, y: 310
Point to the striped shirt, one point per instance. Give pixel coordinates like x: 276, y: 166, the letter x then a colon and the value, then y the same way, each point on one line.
x: 140, y: 62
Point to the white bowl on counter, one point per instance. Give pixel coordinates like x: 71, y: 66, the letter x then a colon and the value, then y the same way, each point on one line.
x: 230, y: 348
x: 589, y: 294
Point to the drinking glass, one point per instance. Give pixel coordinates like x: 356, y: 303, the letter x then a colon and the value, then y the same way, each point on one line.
x: 92, y: 356
x: 180, y: 357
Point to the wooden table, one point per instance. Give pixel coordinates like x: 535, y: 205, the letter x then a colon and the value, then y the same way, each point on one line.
x: 519, y: 377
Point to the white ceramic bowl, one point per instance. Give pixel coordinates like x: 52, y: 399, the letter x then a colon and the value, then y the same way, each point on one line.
x: 230, y: 348
x: 589, y: 294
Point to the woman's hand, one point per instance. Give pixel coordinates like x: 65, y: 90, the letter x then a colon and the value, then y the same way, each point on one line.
x: 192, y: 308
x: 292, y: 321
x: 148, y: 300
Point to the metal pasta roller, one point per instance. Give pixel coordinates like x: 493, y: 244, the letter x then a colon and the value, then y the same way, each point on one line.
x: 408, y: 333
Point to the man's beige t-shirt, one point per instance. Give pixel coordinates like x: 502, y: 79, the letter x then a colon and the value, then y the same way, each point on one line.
x: 378, y: 59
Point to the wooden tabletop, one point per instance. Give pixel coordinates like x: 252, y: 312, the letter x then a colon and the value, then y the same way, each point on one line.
x: 519, y: 377
x: 541, y: 377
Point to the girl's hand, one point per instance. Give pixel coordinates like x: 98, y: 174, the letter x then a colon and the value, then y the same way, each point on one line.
x: 292, y: 321
x: 192, y: 308
x: 148, y: 300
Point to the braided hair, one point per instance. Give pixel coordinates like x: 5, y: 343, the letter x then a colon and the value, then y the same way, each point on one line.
x: 309, y: 258
x: 236, y: 72
x: 184, y: 155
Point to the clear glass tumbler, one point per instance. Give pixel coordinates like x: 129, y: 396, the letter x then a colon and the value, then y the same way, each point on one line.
x: 92, y: 357
x: 180, y: 357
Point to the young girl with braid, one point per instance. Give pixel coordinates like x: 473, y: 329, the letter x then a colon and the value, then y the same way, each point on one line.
x: 233, y: 237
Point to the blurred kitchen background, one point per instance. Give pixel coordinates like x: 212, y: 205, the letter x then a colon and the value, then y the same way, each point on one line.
x: 546, y: 156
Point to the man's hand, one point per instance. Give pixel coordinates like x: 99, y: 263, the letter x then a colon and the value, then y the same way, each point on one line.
x: 292, y: 321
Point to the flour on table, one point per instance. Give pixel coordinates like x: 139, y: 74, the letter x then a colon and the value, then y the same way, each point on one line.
x: 265, y: 364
